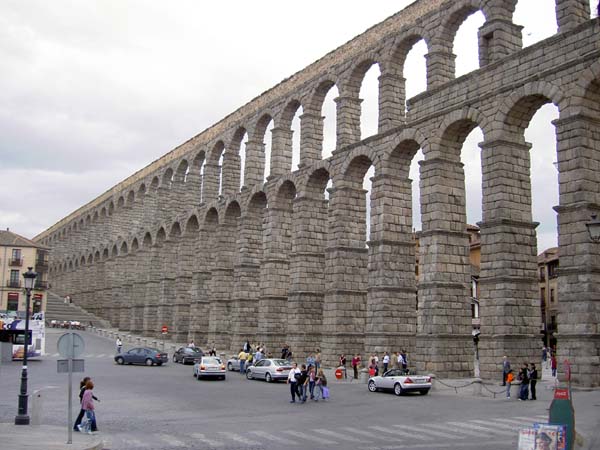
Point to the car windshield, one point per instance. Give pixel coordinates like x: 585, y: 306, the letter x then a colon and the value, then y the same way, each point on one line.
x: 193, y: 350
x: 392, y: 373
x: 211, y: 360
x: 154, y: 350
x: 281, y: 362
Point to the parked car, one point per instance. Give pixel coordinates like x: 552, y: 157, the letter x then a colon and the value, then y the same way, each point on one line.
x: 400, y: 383
x: 269, y: 370
x: 142, y: 355
x: 208, y: 367
x: 187, y: 355
x: 233, y: 364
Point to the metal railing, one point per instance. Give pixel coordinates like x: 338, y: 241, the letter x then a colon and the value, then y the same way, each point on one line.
x: 15, y: 262
x: 13, y: 283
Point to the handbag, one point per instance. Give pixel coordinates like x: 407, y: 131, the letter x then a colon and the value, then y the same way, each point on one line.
x: 325, y: 392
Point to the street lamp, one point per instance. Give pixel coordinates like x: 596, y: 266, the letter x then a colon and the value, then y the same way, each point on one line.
x: 594, y: 228
x: 22, y: 418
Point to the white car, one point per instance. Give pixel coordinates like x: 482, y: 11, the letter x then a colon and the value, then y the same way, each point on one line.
x: 397, y: 381
x: 209, y: 367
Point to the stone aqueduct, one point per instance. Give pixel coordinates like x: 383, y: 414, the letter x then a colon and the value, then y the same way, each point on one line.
x: 282, y: 262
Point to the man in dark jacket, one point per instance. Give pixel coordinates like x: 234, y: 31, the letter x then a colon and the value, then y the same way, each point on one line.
x: 300, y: 384
x: 533, y: 377
x: 524, y: 377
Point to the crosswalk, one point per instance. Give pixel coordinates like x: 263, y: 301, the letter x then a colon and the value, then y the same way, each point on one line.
x: 451, y: 434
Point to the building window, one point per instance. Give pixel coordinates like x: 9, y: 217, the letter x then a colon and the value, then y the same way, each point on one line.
x: 543, y: 295
x: 13, y: 301
x: 551, y: 295
x: 553, y: 269
x: 16, y: 253
x: 14, y: 279
x: 542, y: 273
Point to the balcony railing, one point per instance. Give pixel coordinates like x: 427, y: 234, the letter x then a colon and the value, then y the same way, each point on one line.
x: 41, y: 264
x: 15, y: 262
x: 13, y: 283
x: 41, y: 285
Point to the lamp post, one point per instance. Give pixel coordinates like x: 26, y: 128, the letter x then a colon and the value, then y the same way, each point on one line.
x: 22, y: 418
x: 594, y: 228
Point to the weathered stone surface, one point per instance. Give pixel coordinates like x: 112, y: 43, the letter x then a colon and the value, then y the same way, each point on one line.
x: 288, y: 261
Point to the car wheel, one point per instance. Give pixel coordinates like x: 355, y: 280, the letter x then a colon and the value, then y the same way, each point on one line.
x: 120, y: 361
x: 159, y: 363
x: 249, y: 375
x: 174, y: 359
x: 398, y: 389
x: 149, y: 362
x: 424, y: 391
x: 268, y: 377
x: 229, y: 367
x: 372, y: 386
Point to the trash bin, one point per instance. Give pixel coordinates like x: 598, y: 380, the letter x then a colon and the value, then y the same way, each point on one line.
x: 37, y: 405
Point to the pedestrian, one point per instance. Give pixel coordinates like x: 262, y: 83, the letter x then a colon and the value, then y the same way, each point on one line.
x: 213, y: 350
x: 509, y: 379
x: 87, y: 404
x: 242, y: 359
x: 321, y: 383
x: 191, y: 344
x: 524, y: 377
x: 318, y: 359
x: 553, y: 364
x: 386, y: 362
x: 312, y: 378
x: 284, y: 351
x: 258, y: 355
x: 119, y: 344
x: 246, y: 347
x: 533, y: 377
x: 404, y: 361
x: 301, y: 383
x: 82, y: 385
x: 355, y: 363
x: 310, y: 360
x: 292, y: 380
x: 505, y: 369
x: 343, y: 364
x: 249, y: 359
x: 376, y: 362
x: 544, y: 355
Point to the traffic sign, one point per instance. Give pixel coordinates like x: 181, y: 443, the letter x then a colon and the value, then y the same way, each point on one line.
x: 164, y: 329
x: 78, y: 365
x: 70, y: 345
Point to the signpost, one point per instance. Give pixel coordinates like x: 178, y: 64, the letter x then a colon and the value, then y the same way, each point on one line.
x: 70, y: 345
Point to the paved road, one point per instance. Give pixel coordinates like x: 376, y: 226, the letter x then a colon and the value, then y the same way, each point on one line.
x: 166, y: 408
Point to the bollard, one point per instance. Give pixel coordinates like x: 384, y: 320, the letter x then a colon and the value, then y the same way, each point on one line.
x: 364, y: 375
x: 433, y: 382
x: 37, y: 404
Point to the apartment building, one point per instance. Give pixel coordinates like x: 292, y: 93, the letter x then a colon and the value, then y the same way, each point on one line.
x: 16, y: 255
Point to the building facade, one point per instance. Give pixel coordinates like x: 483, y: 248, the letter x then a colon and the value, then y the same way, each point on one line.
x: 548, y: 277
x: 184, y: 243
x: 16, y: 255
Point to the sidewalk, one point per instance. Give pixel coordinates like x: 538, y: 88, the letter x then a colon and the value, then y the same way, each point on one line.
x: 30, y: 437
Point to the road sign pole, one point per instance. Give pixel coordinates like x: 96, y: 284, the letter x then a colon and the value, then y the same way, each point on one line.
x: 70, y: 388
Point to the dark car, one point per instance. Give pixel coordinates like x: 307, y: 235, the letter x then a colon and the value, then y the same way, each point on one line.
x: 187, y: 355
x: 142, y: 355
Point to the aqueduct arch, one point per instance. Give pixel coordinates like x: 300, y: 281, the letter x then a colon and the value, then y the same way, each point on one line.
x: 286, y: 261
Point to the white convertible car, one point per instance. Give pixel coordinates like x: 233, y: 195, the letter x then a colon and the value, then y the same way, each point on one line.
x: 395, y: 380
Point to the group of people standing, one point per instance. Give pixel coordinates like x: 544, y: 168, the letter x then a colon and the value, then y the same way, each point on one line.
x: 305, y: 381
x: 528, y: 376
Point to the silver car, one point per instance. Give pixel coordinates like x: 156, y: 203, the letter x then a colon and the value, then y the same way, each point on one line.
x: 233, y: 364
x: 209, y: 367
x: 269, y: 370
x: 397, y: 381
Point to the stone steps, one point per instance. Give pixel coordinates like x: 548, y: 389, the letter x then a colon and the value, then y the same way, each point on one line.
x: 57, y: 309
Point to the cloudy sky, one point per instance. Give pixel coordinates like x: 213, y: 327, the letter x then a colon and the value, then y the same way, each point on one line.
x: 93, y: 91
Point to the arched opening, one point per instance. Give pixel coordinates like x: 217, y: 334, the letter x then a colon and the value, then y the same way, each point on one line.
x: 414, y: 70
x: 296, y: 137
x: 369, y: 107
x: 415, y: 177
x: 329, y: 113
x: 538, y: 20
x: 466, y: 44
